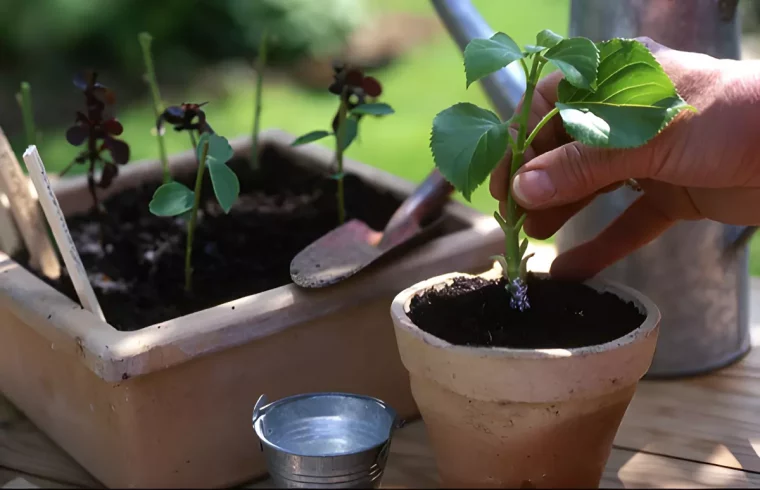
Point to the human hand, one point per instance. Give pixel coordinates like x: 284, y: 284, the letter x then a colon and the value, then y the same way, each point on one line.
x: 703, y: 165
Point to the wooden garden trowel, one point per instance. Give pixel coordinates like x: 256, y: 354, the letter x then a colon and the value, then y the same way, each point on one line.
x: 353, y: 246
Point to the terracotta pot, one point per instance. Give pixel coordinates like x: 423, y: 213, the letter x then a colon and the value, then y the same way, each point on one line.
x: 530, y: 418
x: 170, y: 405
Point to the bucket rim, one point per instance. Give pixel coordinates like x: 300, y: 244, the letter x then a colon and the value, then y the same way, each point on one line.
x: 261, y: 412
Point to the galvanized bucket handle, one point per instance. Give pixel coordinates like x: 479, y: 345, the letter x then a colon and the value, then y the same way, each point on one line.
x: 258, y: 412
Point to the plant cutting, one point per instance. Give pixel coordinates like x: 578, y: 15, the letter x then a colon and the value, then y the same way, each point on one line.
x: 99, y: 132
x: 530, y: 374
x: 261, y: 63
x: 146, y: 40
x: 357, y: 96
x: 24, y: 99
x: 213, y: 151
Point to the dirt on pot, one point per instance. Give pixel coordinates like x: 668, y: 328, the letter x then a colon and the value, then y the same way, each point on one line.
x: 476, y: 312
x: 137, y: 264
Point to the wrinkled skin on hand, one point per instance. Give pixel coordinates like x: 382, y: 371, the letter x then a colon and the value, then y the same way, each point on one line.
x: 703, y: 165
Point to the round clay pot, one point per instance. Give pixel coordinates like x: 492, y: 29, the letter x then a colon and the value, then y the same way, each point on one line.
x: 523, y: 418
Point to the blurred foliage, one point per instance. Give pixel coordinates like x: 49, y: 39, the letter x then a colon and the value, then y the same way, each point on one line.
x: 104, y: 33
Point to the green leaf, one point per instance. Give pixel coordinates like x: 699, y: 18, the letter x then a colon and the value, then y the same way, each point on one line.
x: 578, y: 59
x: 224, y: 180
x: 376, y: 109
x: 502, y: 260
x: 634, y: 99
x: 171, y: 199
x: 310, y: 137
x: 523, y: 247
x: 530, y: 48
x: 485, y: 56
x: 548, y: 38
x: 503, y: 224
x: 350, y: 131
x: 467, y: 143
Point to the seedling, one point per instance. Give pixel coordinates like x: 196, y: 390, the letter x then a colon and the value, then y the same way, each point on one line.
x: 99, y: 133
x: 213, y: 151
x: 614, y: 94
x: 158, y: 106
x: 357, y: 98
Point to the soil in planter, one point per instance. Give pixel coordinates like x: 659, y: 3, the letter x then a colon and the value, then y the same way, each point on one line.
x: 137, y: 269
x: 476, y: 312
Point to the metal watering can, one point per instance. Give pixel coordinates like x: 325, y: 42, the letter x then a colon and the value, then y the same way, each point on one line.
x: 696, y: 272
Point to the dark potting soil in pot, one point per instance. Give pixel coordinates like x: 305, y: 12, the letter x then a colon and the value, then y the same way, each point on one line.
x: 137, y: 270
x: 564, y: 315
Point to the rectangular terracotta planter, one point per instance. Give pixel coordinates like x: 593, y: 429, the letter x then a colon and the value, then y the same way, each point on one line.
x: 170, y: 405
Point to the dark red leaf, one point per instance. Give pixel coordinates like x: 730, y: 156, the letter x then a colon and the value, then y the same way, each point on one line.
x: 354, y: 78
x: 110, y: 171
x: 372, y: 87
x: 81, y: 118
x: 119, y: 150
x: 114, y: 127
x: 76, y: 135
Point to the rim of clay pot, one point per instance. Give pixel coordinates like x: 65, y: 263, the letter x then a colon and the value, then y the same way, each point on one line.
x: 401, y: 303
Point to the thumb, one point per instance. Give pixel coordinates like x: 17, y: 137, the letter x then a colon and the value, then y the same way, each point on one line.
x: 573, y: 172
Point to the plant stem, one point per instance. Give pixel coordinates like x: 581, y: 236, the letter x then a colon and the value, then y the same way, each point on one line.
x: 339, y: 147
x: 540, y: 125
x: 158, y: 107
x: 260, y: 64
x: 512, y: 236
x: 25, y: 101
x: 194, y: 219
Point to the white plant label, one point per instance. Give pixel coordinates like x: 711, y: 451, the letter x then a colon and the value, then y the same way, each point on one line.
x: 61, y: 232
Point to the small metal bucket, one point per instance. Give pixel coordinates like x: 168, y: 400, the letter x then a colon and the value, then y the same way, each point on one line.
x: 325, y: 440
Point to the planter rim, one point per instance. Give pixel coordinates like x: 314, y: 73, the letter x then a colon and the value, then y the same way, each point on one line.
x: 116, y: 355
x: 402, y: 301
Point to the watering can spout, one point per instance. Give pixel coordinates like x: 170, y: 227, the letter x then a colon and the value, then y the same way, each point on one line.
x: 464, y: 23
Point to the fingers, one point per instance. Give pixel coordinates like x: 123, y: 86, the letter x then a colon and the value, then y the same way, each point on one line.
x: 542, y: 224
x: 638, y: 225
x: 574, y: 172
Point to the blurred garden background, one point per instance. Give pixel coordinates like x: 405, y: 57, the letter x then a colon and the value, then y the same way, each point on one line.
x: 204, y: 50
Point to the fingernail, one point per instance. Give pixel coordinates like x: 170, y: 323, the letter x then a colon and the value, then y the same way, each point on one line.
x: 533, y: 187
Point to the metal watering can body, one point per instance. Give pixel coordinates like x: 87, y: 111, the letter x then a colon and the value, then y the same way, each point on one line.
x: 696, y: 272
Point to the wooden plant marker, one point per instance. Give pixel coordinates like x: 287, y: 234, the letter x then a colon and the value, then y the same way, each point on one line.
x: 61, y: 233
x: 26, y: 214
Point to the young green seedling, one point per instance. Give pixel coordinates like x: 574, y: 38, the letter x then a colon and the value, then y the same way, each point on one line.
x: 213, y: 151
x: 614, y: 94
x: 158, y: 106
x: 24, y: 98
x: 261, y: 62
x: 357, y: 98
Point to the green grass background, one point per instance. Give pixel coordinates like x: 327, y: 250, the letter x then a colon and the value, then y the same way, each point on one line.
x: 423, y: 82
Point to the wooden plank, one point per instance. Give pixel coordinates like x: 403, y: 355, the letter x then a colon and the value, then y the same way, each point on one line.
x: 631, y: 469
x: 26, y: 213
x: 13, y: 480
x: 25, y: 449
x: 411, y: 465
x: 713, y: 419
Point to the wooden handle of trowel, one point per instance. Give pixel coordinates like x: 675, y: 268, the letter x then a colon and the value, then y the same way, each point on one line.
x: 426, y: 200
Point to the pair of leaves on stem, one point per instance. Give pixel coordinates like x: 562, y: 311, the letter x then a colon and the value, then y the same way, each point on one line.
x: 351, y: 124
x: 174, y: 198
x: 614, y: 94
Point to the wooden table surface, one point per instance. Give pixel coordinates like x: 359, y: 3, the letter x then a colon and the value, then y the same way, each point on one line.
x: 701, y: 432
